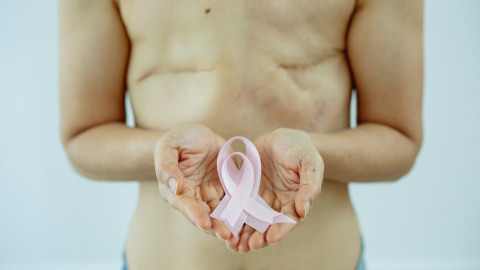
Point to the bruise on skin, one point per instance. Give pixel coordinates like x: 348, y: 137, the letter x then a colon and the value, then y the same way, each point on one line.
x: 240, y: 99
x: 320, y: 112
x: 319, y: 115
x: 248, y: 95
x: 269, y: 102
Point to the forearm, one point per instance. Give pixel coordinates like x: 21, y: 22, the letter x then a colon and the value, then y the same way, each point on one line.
x: 114, y: 151
x: 370, y: 152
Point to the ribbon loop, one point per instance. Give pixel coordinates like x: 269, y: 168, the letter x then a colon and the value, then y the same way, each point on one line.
x: 241, y: 193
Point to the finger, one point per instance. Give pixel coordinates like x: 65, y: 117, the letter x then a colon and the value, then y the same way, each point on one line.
x: 243, y: 246
x: 211, y: 196
x: 197, y: 213
x: 311, y: 177
x: 221, y: 229
x: 194, y: 212
x: 277, y: 232
x: 257, y: 240
x: 166, y: 158
x: 232, y: 242
x: 304, y: 200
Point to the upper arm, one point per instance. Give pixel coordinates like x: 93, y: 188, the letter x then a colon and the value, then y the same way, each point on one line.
x: 93, y: 59
x: 385, y: 51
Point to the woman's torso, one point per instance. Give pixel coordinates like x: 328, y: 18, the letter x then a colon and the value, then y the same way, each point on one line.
x: 241, y: 68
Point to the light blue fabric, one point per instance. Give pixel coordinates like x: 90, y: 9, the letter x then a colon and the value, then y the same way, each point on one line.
x: 361, y: 260
x: 124, y: 261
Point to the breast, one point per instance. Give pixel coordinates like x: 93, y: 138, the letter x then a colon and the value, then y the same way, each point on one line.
x: 252, y: 63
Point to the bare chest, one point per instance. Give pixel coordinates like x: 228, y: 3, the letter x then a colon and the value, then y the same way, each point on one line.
x: 290, y: 31
x: 272, y: 62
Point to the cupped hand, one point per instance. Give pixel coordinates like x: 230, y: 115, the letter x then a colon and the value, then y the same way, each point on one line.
x: 292, y: 175
x: 186, y: 169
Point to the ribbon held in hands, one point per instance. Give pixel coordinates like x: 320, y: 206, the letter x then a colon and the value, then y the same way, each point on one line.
x: 241, y: 203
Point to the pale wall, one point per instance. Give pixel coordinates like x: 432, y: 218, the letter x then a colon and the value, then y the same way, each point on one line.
x: 51, y: 217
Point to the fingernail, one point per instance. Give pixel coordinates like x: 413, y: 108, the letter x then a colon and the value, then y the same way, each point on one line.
x: 307, y: 207
x: 172, y: 183
x: 218, y: 236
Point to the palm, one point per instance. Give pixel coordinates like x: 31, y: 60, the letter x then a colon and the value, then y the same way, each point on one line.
x: 292, y: 172
x: 198, y: 164
x: 189, y: 154
x: 280, y: 181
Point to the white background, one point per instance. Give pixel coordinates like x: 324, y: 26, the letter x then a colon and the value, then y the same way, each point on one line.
x: 51, y: 218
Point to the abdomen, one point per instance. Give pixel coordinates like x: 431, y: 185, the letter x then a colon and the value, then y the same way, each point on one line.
x: 162, y: 238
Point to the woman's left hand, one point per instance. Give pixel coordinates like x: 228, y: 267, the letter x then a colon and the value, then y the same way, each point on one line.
x: 292, y: 175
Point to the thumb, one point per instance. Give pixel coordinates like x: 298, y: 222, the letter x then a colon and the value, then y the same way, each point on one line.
x: 304, y: 199
x: 166, y: 165
x: 311, y: 178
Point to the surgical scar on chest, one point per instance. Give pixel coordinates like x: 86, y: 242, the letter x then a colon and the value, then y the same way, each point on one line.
x: 175, y: 71
x: 297, y: 73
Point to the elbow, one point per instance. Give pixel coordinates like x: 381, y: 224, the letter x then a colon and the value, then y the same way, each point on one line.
x: 80, y: 165
x: 407, y: 161
x: 75, y: 162
x: 83, y: 170
x: 402, y: 171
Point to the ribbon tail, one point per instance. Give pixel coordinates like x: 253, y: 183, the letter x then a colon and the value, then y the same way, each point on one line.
x: 261, y: 215
x: 221, y: 207
x: 262, y: 202
x: 283, y: 219
x: 238, y: 226
x: 217, y: 213
x: 260, y: 212
x: 233, y: 210
x: 257, y: 224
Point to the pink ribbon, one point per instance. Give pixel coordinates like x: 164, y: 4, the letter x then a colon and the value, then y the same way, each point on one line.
x: 241, y: 203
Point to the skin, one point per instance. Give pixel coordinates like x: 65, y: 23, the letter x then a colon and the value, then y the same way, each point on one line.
x: 278, y: 73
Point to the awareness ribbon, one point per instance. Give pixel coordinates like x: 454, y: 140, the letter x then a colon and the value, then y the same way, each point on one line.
x: 241, y: 203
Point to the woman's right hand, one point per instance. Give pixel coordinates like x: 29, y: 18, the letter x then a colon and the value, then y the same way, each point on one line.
x: 186, y: 169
